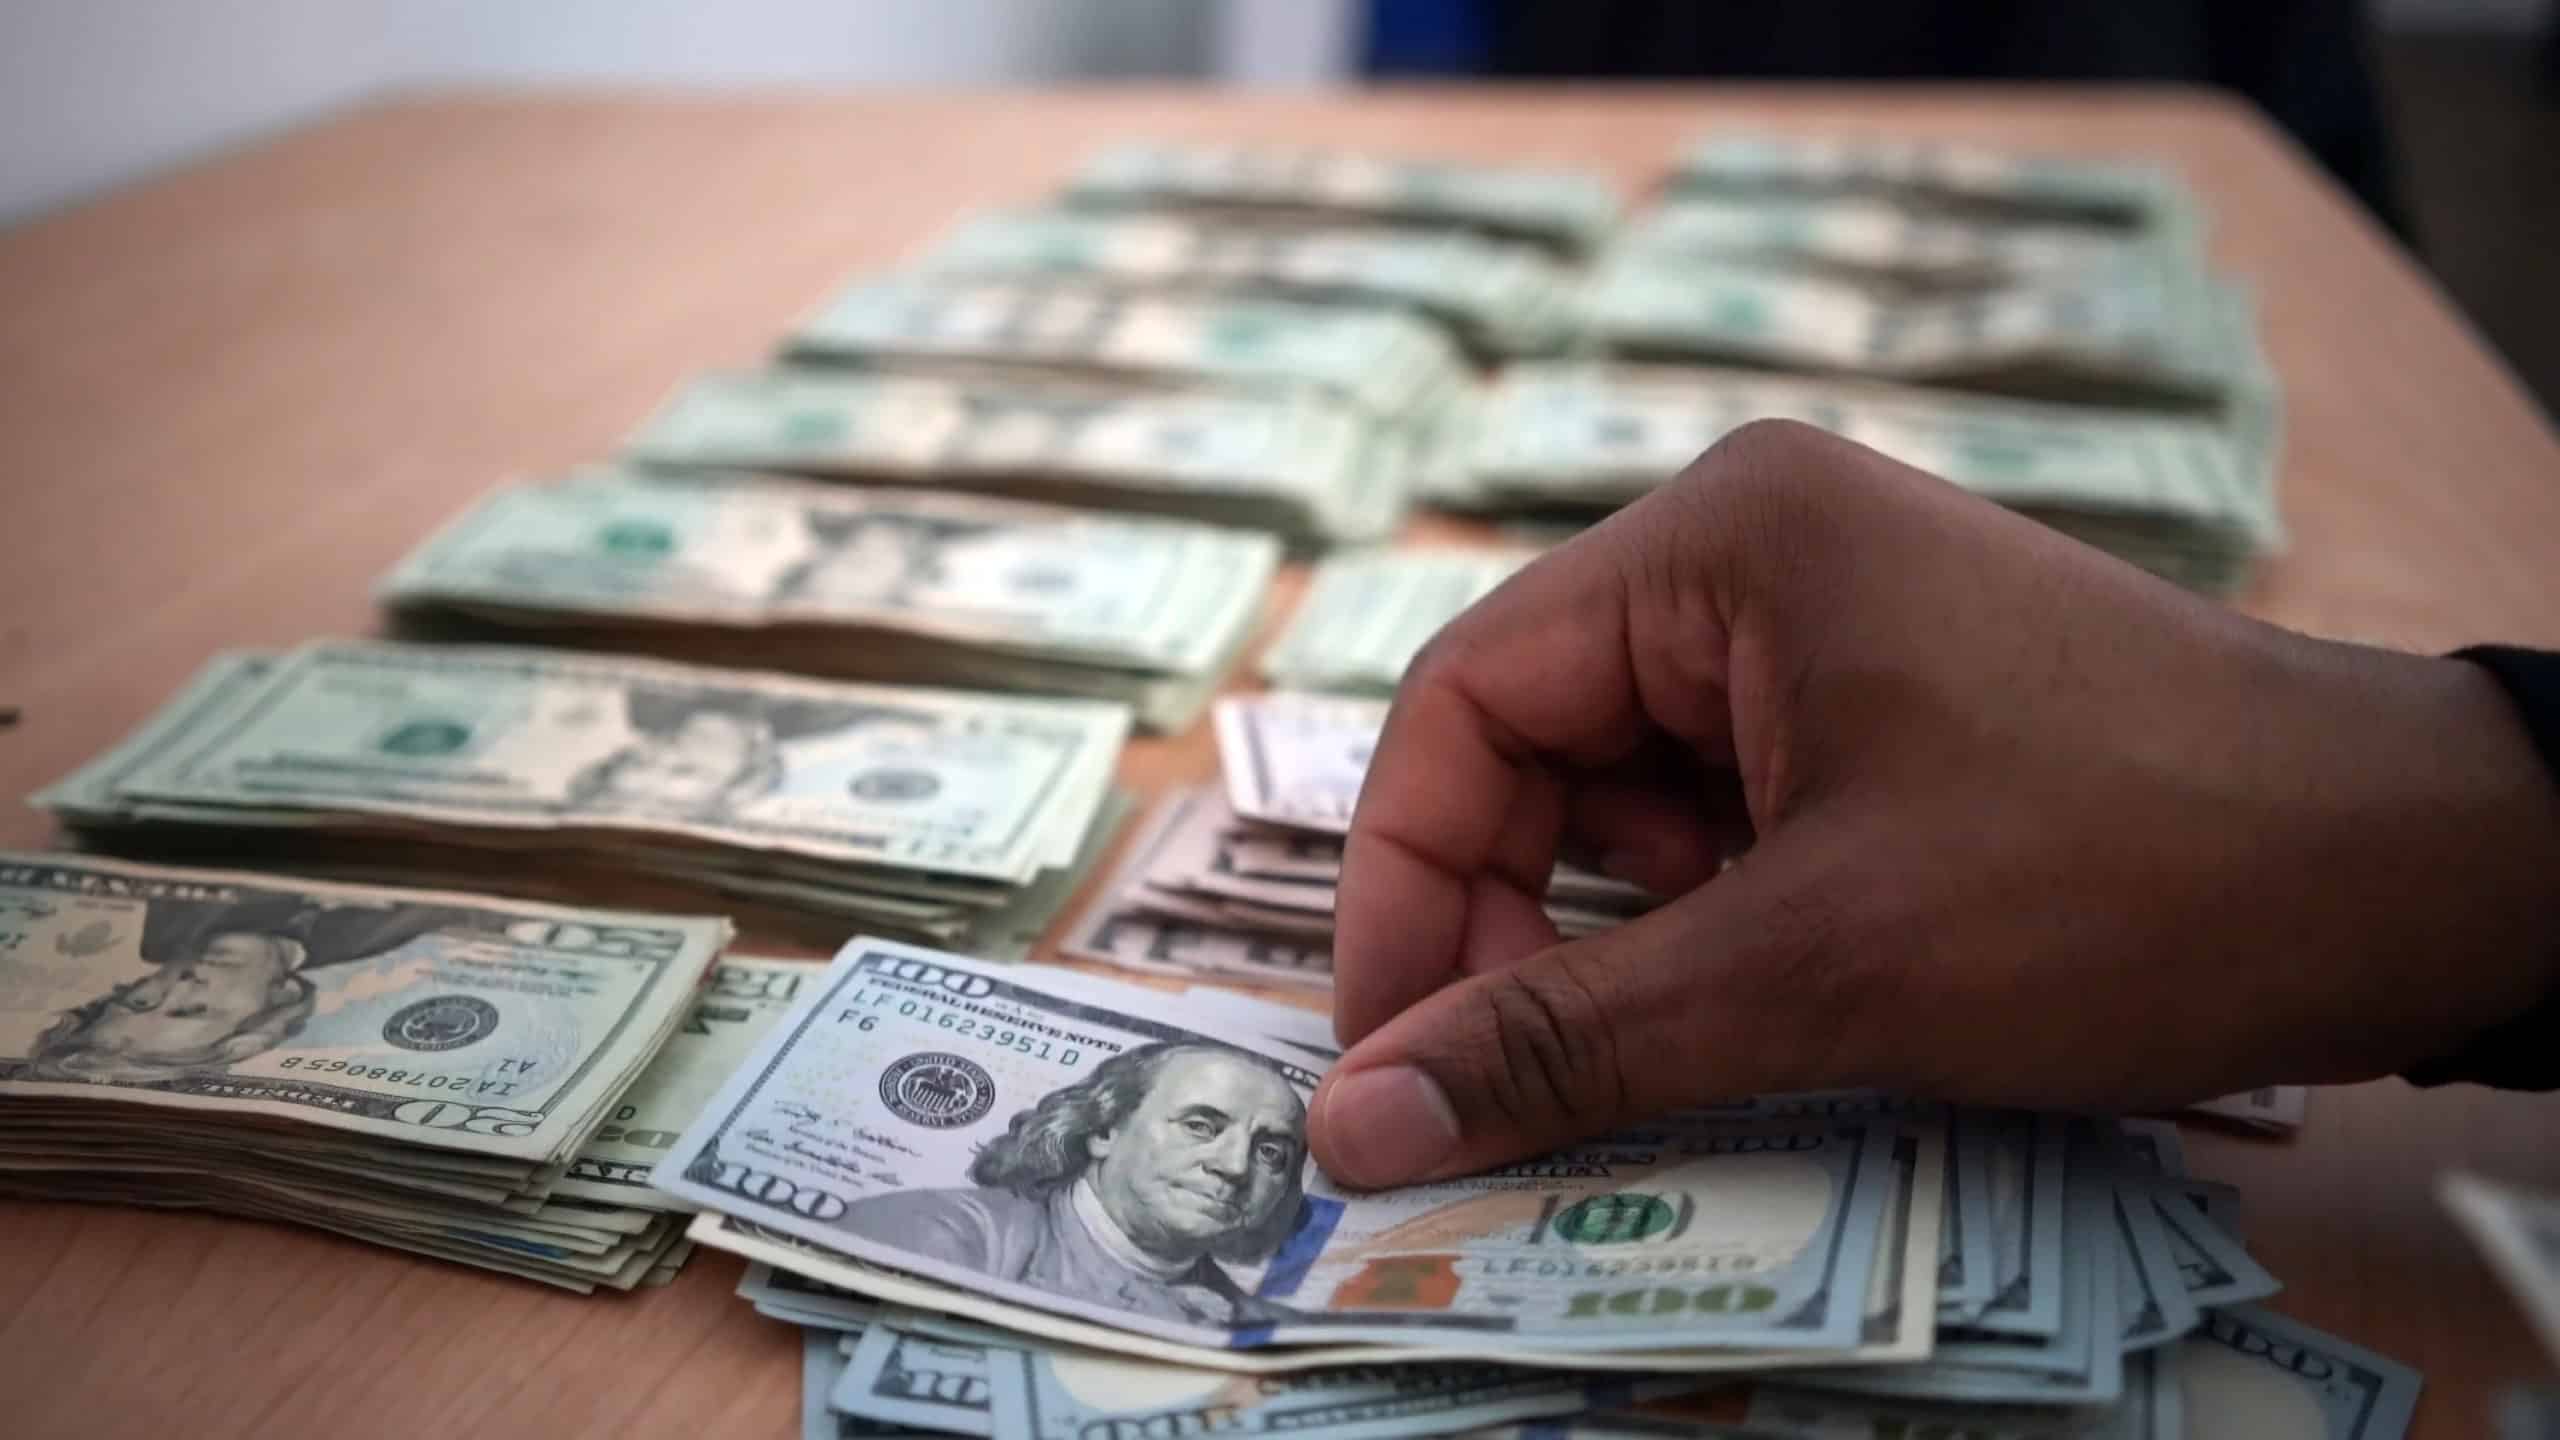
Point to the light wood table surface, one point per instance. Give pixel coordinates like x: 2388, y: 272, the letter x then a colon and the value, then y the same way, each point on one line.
x: 233, y: 396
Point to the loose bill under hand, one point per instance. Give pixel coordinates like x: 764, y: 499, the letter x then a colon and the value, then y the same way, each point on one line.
x: 1060, y: 1148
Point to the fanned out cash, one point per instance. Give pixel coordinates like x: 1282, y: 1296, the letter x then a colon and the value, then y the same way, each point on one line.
x: 420, y: 1070
x: 873, y: 584
x: 1566, y: 211
x: 1015, y: 1201
x: 1309, y: 469
x: 2244, y: 1371
x: 939, y: 814
x: 1207, y: 1240
x: 1367, y: 613
x: 1385, y: 363
x: 1496, y: 298
x: 2188, y: 498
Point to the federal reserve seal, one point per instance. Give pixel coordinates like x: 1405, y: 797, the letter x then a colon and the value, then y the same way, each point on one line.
x: 447, y: 1022
x: 938, y: 1090
x: 895, y: 783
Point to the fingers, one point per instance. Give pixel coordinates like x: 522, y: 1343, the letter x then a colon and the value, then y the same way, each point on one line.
x: 1668, y: 832
x: 1746, y: 984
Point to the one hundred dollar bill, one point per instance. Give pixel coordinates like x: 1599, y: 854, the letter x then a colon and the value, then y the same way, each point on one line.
x: 2151, y: 1408
x: 2256, y: 1374
x: 897, y: 1375
x: 438, y: 1021
x: 812, y: 1304
x: 2216, y: 1270
x: 1564, y: 210
x: 1050, y: 1393
x: 821, y: 1363
x: 2519, y: 1231
x: 739, y: 1001
x: 922, y: 1111
x: 632, y: 547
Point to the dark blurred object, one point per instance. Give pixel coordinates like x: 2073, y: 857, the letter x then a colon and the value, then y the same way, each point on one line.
x: 2307, y: 63
x: 2475, y: 118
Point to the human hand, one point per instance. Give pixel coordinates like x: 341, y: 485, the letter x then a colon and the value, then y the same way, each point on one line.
x: 2024, y: 826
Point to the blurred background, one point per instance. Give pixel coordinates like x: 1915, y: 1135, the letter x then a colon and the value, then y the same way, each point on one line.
x: 2443, y: 116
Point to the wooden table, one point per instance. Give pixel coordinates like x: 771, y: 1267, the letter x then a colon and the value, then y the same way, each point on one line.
x: 233, y: 396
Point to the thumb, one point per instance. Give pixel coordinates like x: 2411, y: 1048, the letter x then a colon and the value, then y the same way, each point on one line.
x: 1741, y: 986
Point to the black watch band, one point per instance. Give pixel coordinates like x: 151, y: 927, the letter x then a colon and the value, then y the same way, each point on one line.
x: 2523, y: 1053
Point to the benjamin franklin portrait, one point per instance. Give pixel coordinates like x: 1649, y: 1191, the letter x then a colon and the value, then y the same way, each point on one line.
x: 1127, y: 1188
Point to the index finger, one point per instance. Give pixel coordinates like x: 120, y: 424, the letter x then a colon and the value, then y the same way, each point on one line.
x: 1456, y: 828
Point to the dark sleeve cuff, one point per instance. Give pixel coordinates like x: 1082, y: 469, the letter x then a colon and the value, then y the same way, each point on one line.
x: 2523, y: 1053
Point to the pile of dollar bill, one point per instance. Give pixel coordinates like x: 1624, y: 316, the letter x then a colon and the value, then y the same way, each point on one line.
x: 1932, y: 262
x: 865, y: 584
x: 1236, y: 882
x: 1272, y: 339
x: 1563, y: 211
x: 2183, y: 496
x: 1904, y: 285
x: 1312, y: 471
x: 944, y: 815
x: 485, y: 1081
x: 1016, y: 1201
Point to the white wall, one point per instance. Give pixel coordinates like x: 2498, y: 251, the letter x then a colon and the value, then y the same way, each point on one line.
x: 94, y: 92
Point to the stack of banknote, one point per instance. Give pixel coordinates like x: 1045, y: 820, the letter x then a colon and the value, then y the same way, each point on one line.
x: 1018, y: 1201
x: 1294, y: 463
x: 1367, y: 613
x: 1498, y: 298
x: 1965, y: 181
x: 2141, y: 339
x: 946, y: 815
x: 1236, y: 881
x: 1385, y: 364
x: 484, y: 1081
x: 1567, y: 212
x: 890, y: 585
x: 1897, y: 276
x: 2189, y: 498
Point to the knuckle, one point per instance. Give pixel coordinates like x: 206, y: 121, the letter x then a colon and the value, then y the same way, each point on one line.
x: 1552, y: 1055
x: 1823, y: 1005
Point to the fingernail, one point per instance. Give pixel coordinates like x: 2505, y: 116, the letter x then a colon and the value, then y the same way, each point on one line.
x: 1389, y: 1125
